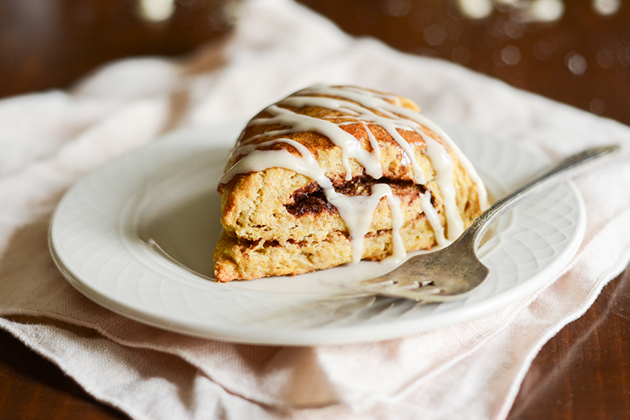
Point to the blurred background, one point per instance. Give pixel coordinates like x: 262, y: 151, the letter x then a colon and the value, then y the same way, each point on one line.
x: 574, y: 51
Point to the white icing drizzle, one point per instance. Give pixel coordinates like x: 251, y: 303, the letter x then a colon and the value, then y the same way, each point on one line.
x: 376, y: 149
x: 398, y: 221
x: 463, y: 160
x: 443, y: 165
x: 433, y: 218
x: 363, y: 113
x: 259, y: 160
x: 421, y: 119
x: 350, y: 146
x: 356, y: 211
x: 440, y: 159
x: 363, y: 107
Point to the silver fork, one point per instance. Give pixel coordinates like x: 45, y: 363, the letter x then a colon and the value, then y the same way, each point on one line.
x: 455, y: 271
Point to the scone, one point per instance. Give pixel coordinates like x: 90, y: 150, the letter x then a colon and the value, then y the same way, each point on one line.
x: 335, y: 174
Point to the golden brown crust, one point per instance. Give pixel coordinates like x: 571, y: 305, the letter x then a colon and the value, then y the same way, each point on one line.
x: 392, y: 157
x: 240, y: 259
x: 278, y: 222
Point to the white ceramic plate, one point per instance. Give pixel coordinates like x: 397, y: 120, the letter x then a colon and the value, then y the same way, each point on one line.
x: 137, y: 236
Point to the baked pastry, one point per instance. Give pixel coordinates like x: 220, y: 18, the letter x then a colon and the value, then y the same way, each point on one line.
x: 335, y: 174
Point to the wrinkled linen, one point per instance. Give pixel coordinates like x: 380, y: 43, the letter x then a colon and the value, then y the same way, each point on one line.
x: 50, y: 140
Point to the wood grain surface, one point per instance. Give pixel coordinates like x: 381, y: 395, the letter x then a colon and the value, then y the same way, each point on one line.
x: 580, y: 57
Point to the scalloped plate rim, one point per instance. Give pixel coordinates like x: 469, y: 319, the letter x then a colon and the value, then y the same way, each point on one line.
x: 255, y: 334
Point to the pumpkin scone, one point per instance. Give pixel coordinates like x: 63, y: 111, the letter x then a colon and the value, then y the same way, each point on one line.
x: 337, y: 174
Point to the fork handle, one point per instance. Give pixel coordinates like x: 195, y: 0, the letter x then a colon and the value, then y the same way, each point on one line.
x: 559, y: 172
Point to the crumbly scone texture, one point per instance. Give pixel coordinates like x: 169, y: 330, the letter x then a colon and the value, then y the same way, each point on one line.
x: 278, y: 222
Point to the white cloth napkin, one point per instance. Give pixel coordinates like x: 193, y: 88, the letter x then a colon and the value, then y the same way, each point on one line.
x: 50, y: 140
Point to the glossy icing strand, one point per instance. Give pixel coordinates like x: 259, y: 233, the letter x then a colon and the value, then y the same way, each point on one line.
x: 350, y: 146
x: 259, y: 160
x: 365, y: 114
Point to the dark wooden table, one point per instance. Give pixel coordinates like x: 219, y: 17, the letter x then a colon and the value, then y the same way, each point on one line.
x: 576, y: 52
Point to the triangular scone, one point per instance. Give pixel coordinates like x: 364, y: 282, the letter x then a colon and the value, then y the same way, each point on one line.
x: 335, y: 174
